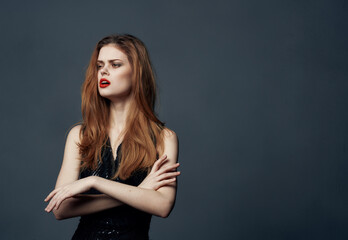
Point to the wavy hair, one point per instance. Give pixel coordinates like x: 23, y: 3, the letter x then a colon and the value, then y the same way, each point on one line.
x: 143, y: 139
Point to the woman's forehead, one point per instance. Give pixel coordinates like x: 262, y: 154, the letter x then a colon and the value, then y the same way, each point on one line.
x: 110, y: 52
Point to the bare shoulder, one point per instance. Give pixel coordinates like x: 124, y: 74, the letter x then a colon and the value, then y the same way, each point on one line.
x: 71, y: 160
x: 74, y: 133
x: 171, y: 144
x: 169, y: 135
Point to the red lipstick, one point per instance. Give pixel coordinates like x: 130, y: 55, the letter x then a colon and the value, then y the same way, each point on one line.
x: 103, y: 83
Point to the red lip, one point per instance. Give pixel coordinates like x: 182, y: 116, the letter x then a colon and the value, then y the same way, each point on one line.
x: 105, y: 84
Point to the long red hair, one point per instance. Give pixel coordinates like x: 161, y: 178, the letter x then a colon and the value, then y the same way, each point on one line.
x: 143, y: 140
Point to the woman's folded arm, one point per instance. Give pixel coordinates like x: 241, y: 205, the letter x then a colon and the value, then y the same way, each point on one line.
x: 158, y: 202
x: 83, y: 204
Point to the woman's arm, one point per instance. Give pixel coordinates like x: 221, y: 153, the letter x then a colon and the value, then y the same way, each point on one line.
x: 158, y: 202
x: 85, y: 204
x: 80, y: 204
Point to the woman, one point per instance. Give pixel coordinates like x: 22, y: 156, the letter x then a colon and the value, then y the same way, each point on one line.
x: 109, y: 175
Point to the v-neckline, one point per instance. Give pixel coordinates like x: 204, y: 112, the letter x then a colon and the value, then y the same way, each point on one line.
x: 112, y: 151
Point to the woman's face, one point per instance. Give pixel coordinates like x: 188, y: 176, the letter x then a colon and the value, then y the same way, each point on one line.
x: 114, y: 73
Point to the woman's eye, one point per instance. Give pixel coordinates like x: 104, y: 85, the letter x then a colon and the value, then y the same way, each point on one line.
x: 99, y: 66
x: 116, y: 65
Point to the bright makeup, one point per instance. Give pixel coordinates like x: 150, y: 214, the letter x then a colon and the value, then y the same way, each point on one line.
x: 103, y: 83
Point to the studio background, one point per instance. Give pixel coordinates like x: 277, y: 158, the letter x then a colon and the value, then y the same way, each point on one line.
x: 255, y: 90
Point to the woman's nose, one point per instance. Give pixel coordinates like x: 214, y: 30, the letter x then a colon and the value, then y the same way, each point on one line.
x: 104, y: 71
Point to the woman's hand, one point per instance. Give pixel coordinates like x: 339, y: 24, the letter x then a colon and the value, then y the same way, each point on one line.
x: 58, y: 195
x: 160, y: 175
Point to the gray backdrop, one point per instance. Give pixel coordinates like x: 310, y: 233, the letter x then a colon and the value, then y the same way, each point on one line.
x: 255, y: 90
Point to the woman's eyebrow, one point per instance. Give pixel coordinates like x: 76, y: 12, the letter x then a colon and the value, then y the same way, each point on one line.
x: 110, y: 60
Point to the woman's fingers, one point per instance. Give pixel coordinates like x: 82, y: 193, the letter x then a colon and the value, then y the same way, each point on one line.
x: 52, y: 202
x: 158, y: 163
x: 165, y: 182
x: 55, y: 201
x: 168, y: 175
x: 51, y: 195
x: 64, y: 194
x: 59, y: 202
x: 168, y: 168
x: 50, y: 205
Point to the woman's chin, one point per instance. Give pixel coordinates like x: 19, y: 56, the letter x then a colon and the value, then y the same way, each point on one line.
x: 115, y: 97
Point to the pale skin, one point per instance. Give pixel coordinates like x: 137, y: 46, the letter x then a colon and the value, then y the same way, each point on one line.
x: 155, y: 195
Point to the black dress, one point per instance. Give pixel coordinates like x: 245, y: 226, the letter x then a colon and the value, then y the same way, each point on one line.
x: 122, y: 222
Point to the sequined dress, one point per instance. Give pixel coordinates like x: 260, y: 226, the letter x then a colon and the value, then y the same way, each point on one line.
x: 122, y: 222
